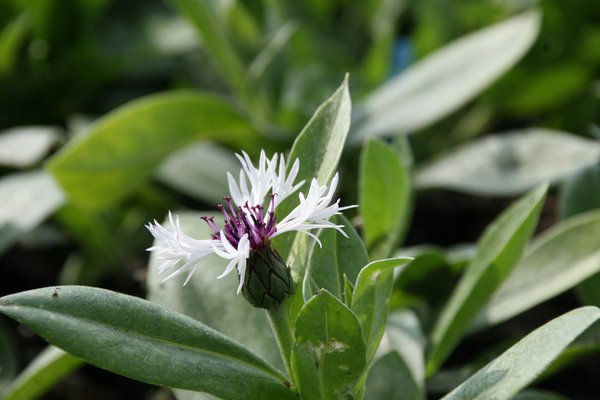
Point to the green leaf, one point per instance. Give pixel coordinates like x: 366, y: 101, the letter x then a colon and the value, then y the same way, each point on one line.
x: 389, y: 379
x: 48, y: 368
x: 272, y: 48
x: 121, y: 150
x: 208, y: 19
x: 318, y: 148
x: 510, y: 163
x: 403, y: 334
x: 348, y: 291
x: 338, y: 257
x: 8, y: 358
x: 27, y: 199
x: 200, y: 171
x: 547, y: 269
x: 328, y: 356
x: 371, y: 298
x: 581, y: 192
x: 384, y: 197
x: 24, y: 146
x: 444, y: 81
x: 499, y: 249
x: 522, y: 363
x: 400, y: 372
x: 11, y: 38
x: 213, y: 302
x: 177, y: 351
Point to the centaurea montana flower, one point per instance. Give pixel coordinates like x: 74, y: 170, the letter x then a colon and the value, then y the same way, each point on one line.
x: 245, y: 238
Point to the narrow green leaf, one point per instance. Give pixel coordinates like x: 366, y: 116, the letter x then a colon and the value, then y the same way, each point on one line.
x: 11, y: 38
x: 27, y: 199
x: 318, y: 148
x: 121, y: 150
x: 329, y: 354
x: 348, y: 291
x: 276, y: 43
x: 208, y: 19
x: 371, y: 298
x: 446, y: 80
x: 547, y: 269
x: 200, y: 171
x: 213, y: 302
x: 499, y: 249
x: 588, y: 343
x: 48, y: 368
x: 176, y: 351
x: 24, y: 146
x: 504, y: 377
x: 339, y: 257
x: 384, y: 197
x: 8, y: 358
x: 510, y: 163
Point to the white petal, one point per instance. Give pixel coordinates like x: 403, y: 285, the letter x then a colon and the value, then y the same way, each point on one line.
x: 176, y: 249
x: 314, y: 210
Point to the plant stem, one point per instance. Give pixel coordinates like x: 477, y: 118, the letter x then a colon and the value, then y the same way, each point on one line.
x: 281, y: 326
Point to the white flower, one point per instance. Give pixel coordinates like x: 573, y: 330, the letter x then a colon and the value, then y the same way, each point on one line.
x: 248, y: 227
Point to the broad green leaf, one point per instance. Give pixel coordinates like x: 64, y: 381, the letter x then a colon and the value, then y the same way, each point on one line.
x: 8, y: 358
x: 27, y: 199
x: 24, y: 146
x: 318, y: 148
x: 444, y: 81
x: 11, y: 38
x: 504, y: 377
x: 122, y: 149
x: 371, y: 299
x: 328, y: 356
x: 558, y: 259
x: 200, y: 171
x: 510, y: 163
x: 389, y: 379
x: 177, y: 351
x: 213, y: 302
x: 499, y: 249
x: 337, y: 257
x: 384, y: 197
x: 48, y: 368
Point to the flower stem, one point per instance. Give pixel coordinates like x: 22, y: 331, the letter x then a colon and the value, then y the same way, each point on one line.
x: 281, y: 326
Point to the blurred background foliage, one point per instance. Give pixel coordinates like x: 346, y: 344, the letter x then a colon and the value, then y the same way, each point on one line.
x: 256, y: 70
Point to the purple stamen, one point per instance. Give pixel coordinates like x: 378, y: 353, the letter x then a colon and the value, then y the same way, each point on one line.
x: 248, y: 220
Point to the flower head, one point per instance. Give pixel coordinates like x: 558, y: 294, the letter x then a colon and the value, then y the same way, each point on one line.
x: 249, y: 226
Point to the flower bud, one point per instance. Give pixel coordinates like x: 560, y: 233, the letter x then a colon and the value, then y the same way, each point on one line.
x: 267, y: 281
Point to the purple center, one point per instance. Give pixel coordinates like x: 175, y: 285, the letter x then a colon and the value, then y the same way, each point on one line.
x: 245, y: 220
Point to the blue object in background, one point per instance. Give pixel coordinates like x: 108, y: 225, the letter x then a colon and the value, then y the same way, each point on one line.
x: 402, y: 55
